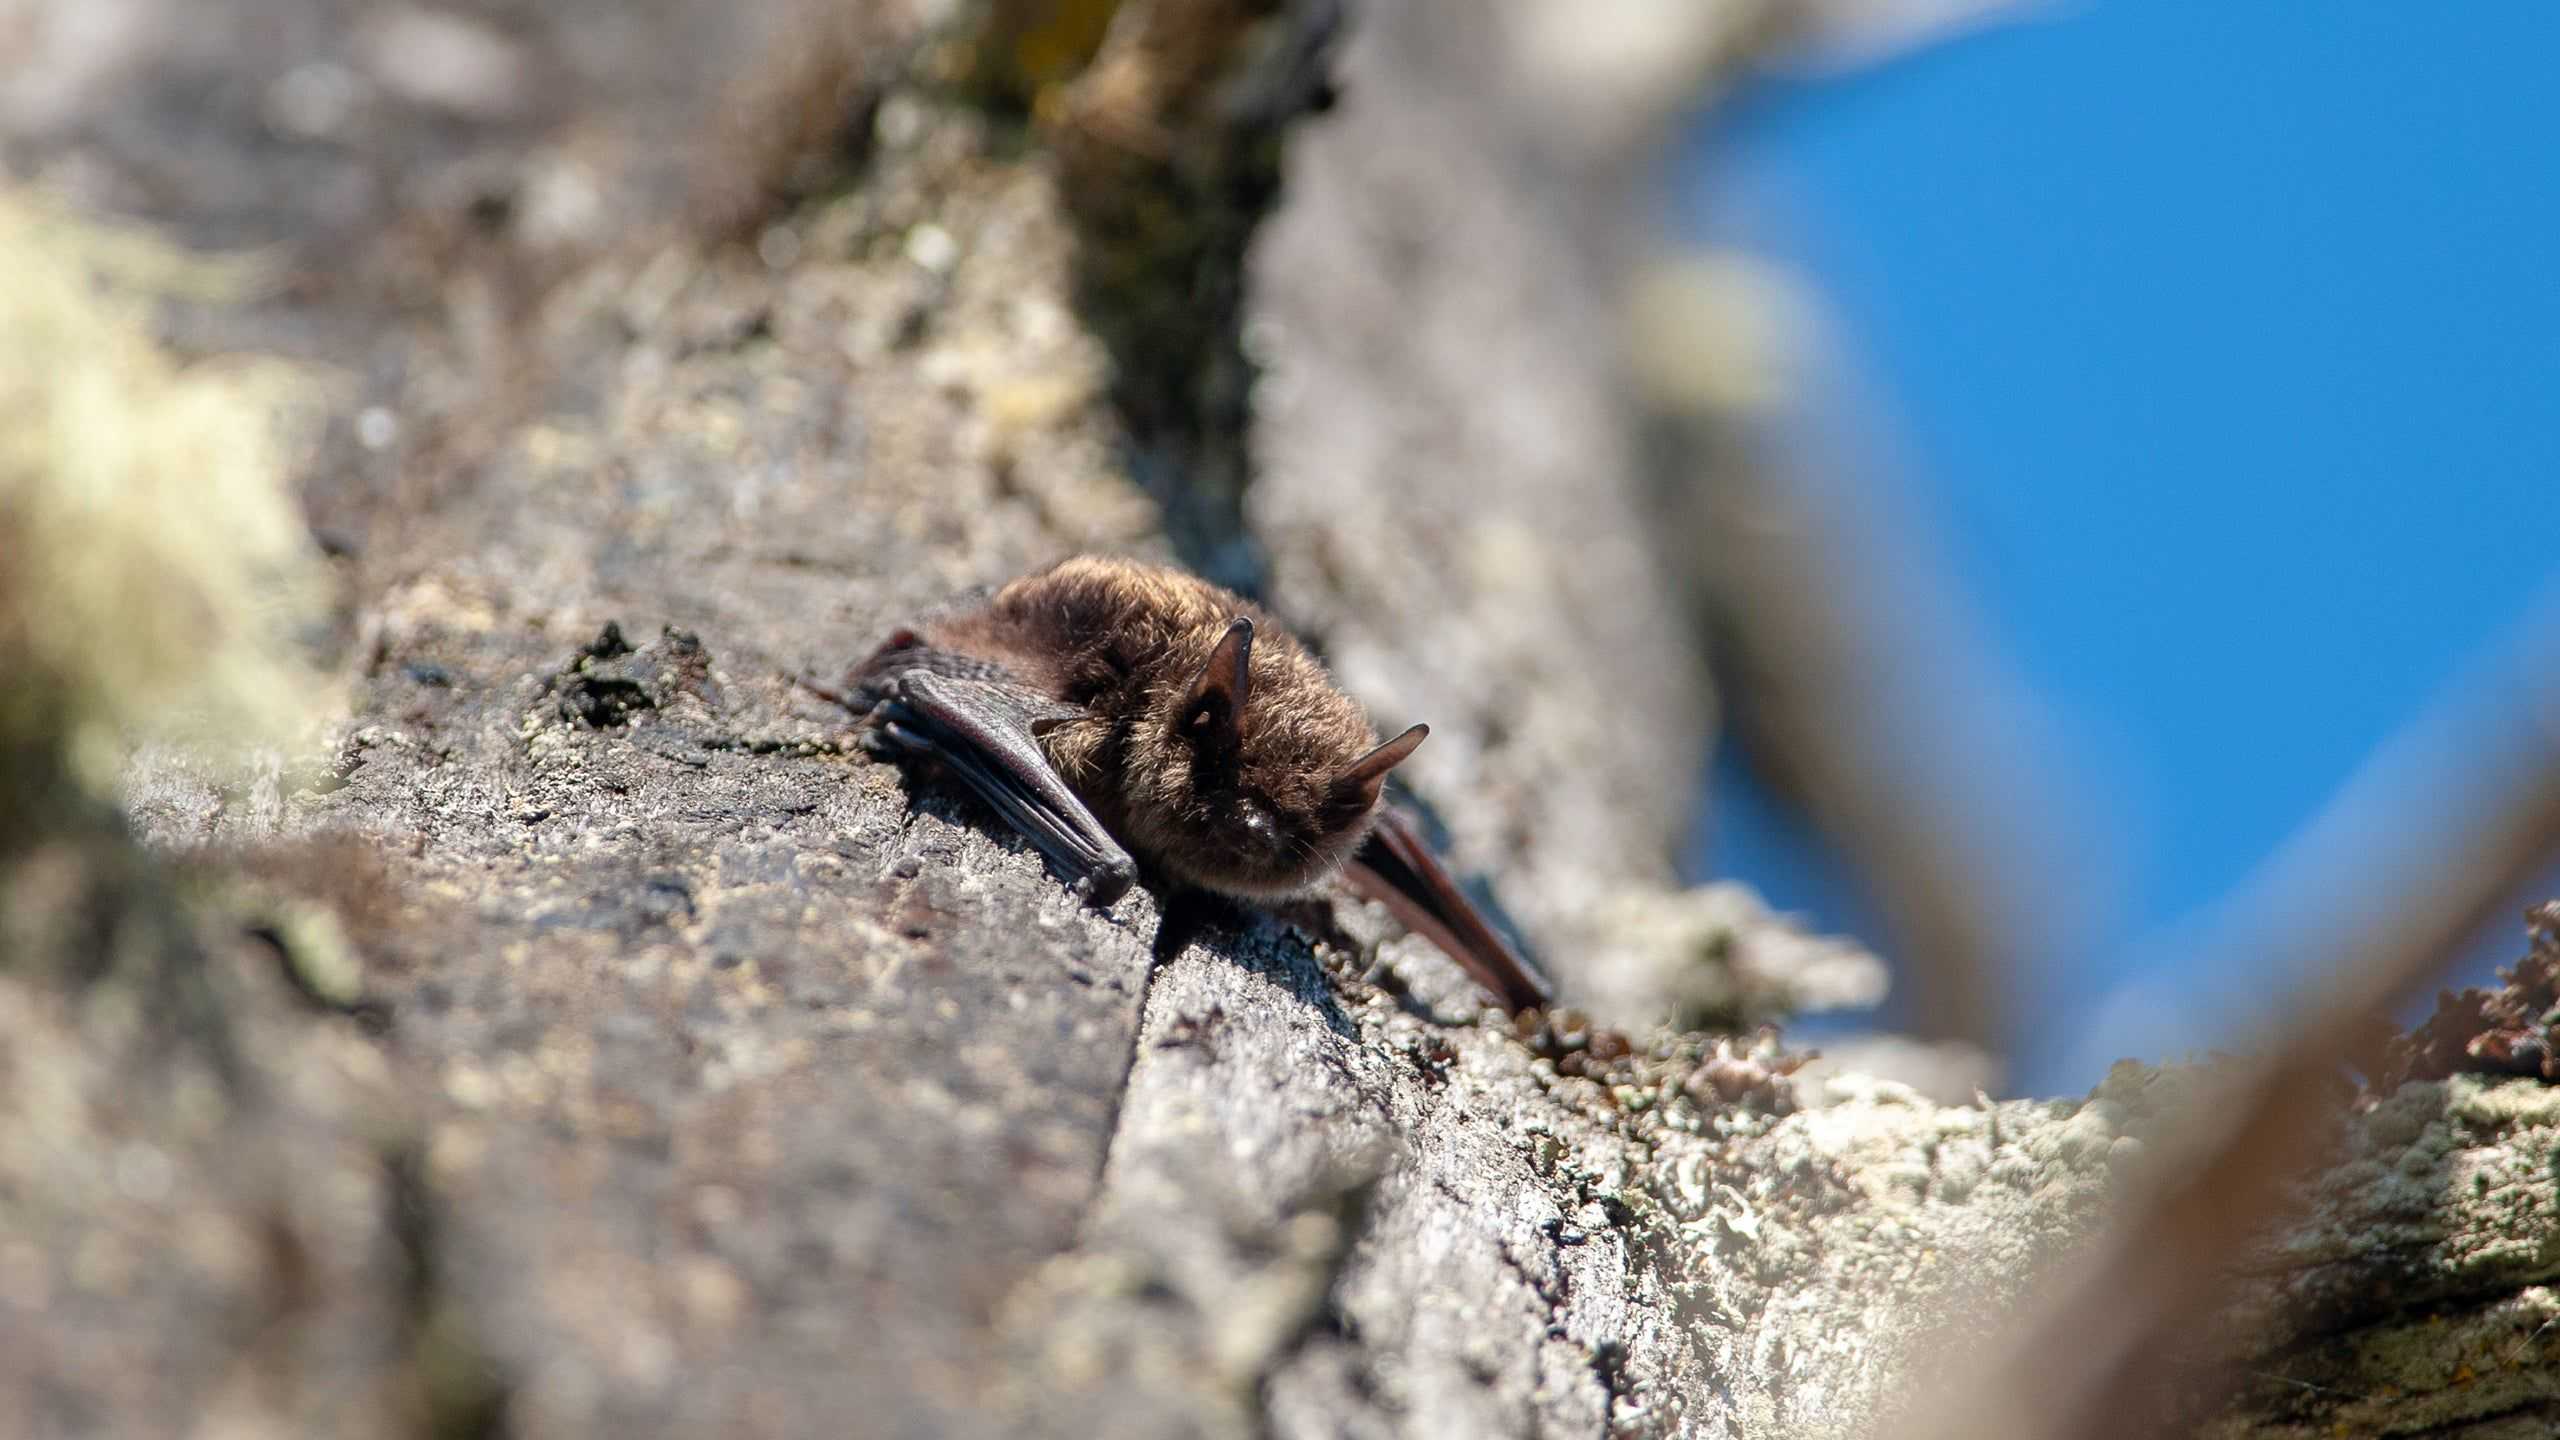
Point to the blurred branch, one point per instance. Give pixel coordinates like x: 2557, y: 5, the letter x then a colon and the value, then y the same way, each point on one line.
x: 1812, y: 611
x: 1846, y: 34
x: 2386, y: 901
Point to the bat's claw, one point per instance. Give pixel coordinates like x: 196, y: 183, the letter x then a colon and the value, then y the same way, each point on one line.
x: 893, y: 743
x: 1102, y: 886
x: 834, y: 695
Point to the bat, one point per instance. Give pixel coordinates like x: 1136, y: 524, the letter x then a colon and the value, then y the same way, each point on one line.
x: 1132, y: 719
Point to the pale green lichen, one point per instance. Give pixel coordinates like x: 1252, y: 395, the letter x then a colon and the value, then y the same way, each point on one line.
x: 2503, y: 1104
x: 154, y: 573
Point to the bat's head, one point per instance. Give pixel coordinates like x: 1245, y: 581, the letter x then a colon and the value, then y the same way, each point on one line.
x: 1250, y: 774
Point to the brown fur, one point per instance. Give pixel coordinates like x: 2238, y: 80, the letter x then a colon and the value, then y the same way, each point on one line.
x: 1126, y: 644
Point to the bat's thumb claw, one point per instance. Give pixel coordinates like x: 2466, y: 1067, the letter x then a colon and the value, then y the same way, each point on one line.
x: 1103, y: 886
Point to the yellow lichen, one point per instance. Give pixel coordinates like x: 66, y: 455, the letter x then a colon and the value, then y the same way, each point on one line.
x: 154, y: 573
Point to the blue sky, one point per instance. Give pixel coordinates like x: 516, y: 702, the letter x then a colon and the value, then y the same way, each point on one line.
x: 2218, y: 341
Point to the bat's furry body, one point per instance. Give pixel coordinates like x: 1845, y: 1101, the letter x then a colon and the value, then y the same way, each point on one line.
x: 1127, y: 716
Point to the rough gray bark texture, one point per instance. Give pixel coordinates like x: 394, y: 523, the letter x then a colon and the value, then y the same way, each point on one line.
x: 711, y: 1078
x: 1449, y: 490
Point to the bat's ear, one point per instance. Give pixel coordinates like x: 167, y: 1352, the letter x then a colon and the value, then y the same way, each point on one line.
x: 1370, y: 771
x: 1215, y: 708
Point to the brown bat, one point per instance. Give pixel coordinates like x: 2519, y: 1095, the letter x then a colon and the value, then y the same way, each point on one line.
x: 1130, y: 718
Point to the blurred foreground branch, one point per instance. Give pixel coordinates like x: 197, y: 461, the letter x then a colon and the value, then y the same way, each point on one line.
x: 2444, y: 828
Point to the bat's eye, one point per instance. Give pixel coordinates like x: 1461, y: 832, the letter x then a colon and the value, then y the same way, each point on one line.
x: 1257, y: 822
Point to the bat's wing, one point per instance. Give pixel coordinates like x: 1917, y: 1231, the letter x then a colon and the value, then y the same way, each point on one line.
x: 983, y: 730
x: 1398, y: 868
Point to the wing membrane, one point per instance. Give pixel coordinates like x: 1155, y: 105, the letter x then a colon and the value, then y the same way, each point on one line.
x: 1398, y: 868
x: 981, y: 730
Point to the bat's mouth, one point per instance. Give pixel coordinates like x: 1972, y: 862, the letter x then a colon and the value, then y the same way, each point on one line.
x: 1254, y: 865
